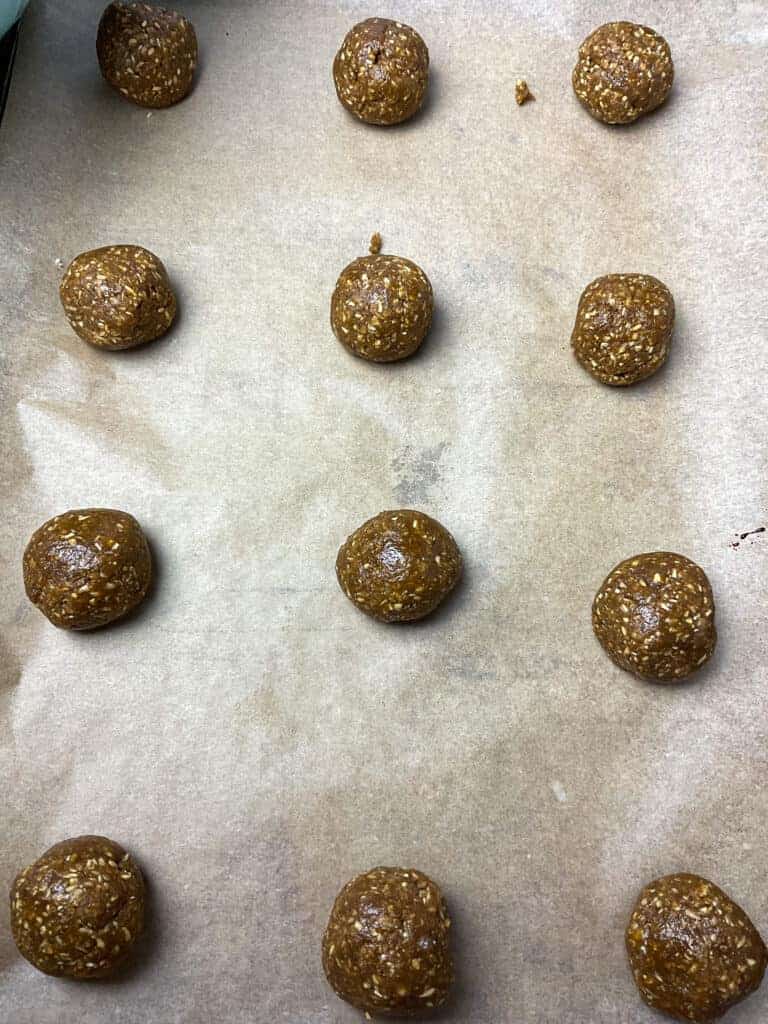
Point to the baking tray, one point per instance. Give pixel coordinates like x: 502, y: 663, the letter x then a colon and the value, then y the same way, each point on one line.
x: 251, y: 738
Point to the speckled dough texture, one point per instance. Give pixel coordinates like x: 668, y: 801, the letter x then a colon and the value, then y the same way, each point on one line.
x: 623, y: 71
x: 118, y: 296
x: 147, y: 53
x: 77, y: 911
x: 386, y: 947
x: 655, y: 616
x: 694, y: 953
x: 398, y: 566
x: 248, y: 735
x: 381, y: 71
x: 381, y: 308
x: 623, y: 328
x: 87, y: 567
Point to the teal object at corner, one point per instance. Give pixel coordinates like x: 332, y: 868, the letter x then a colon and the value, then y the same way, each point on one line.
x: 10, y: 11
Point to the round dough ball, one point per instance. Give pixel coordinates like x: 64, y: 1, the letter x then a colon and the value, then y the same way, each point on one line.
x: 694, y: 953
x: 87, y: 567
x: 623, y: 71
x: 623, y: 328
x: 398, y: 566
x: 381, y: 71
x: 655, y: 616
x: 386, y: 948
x: 118, y: 296
x: 381, y: 308
x: 78, y: 910
x: 147, y: 53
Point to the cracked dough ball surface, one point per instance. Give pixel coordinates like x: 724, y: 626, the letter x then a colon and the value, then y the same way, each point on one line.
x: 381, y: 71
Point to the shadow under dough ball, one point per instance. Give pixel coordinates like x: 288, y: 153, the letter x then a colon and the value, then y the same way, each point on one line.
x: 655, y: 616
x: 398, y: 566
x: 87, y: 567
x: 623, y: 71
x: 149, y: 54
x: 623, y: 328
x: 386, y: 948
x: 381, y: 308
x: 78, y: 910
x: 694, y: 953
x: 118, y: 296
x: 381, y: 71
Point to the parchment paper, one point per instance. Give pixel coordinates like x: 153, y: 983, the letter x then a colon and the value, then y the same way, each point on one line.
x: 249, y: 736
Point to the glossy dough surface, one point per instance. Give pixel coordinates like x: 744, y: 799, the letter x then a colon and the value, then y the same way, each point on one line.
x: 87, y: 567
x: 655, y: 616
x: 623, y: 328
x: 381, y: 71
x: 386, y: 946
x: 117, y: 296
x: 78, y: 910
x: 693, y: 952
x: 623, y: 71
x: 149, y: 54
x: 382, y: 306
x: 398, y: 566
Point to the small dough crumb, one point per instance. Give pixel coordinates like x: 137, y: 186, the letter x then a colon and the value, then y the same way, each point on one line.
x: 375, y: 246
x: 522, y: 92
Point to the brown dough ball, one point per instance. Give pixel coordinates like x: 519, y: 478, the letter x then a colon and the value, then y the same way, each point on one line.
x: 381, y: 71
x: 381, y: 309
x: 78, y: 910
x: 398, y: 566
x: 694, y: 953
x: 623, y: 71
x: 623, y: 328
x: 386, y: 948
x: 147, y: 53
x: 118, y: 296
x: 655, y: 616
x: 87, y: 567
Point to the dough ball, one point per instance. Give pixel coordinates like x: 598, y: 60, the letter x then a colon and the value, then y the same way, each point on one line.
x: 117, y: 296
x: 386, y: 948
x: 87, y: 567
x: 694, y: 953
x: 381, y: 71
x: 398, y: 566
x: 623, y: 71
x: 381, y: 308
x: 147, y: 53
x: 623, y: 328
x: 655, y: 616
x: 78, y: 910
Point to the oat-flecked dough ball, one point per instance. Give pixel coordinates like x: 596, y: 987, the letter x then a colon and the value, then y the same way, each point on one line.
x: 386, y: 948
x: 79, y: 909
x: 623, y: 328
x: 381, y: 71
x: 623, y: 71
x: 147, y: 53
x: 118, y: 296
x: 382, y: 306
x: 655, y: 616
x: 694, y: 953
x: 398, y: 566
x: 87, y: 567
